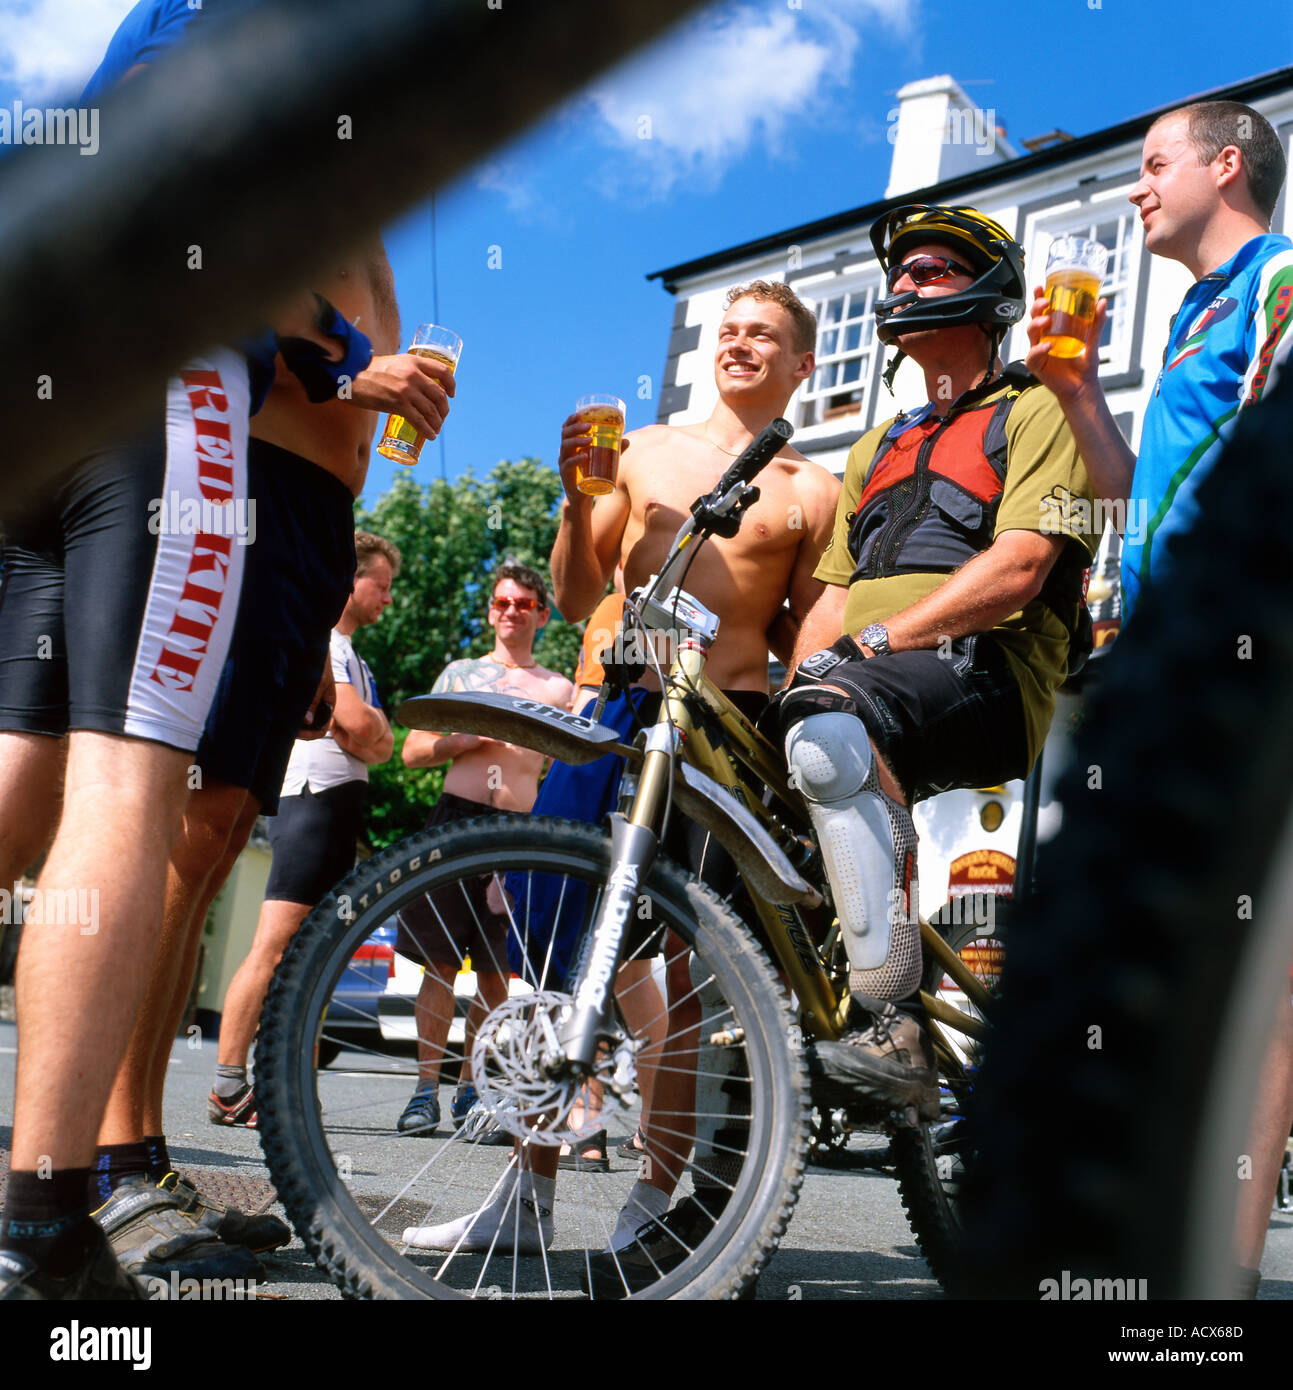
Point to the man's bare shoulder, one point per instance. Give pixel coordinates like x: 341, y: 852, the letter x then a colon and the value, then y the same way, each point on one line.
x: 816, y: 489
x: 810, y: 476
x: 651, y: 437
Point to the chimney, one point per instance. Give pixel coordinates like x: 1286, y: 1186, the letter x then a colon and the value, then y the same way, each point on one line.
x: 938, y: 133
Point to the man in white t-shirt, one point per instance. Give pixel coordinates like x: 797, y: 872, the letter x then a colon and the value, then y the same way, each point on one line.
x: 320, y: 815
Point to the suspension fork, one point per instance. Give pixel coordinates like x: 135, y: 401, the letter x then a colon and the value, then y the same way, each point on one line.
x: 634, y: 842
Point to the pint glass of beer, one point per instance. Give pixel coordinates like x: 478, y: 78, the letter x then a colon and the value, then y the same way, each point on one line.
x: 604, y: 416
x: 400, y: 441
x: 1074, y: 270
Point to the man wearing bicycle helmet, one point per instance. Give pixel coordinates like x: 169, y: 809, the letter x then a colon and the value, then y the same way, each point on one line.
x: 1211, y: 174
x: 960, y: 595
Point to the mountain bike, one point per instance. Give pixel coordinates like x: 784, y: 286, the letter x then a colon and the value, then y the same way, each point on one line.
x: 732, y: 1096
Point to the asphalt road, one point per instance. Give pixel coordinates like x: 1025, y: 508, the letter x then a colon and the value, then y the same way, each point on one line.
x: 848, y: 1240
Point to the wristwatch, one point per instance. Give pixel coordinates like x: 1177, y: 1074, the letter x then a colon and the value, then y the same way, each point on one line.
x: 877, y: 638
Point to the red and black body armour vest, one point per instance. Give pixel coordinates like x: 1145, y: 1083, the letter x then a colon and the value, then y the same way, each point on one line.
x: 930, y: 496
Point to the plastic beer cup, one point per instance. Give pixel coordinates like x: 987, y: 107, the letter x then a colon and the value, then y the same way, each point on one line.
x: 401, y: 442
x: 1074, y: 269
x: 604, y: 416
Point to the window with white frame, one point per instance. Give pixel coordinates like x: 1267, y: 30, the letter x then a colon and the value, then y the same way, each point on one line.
x: 846, y: 349
x: 1117, y: 229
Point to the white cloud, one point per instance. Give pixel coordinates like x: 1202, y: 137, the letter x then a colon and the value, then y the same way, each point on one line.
x: 49, y: 48
x: 740, y: 73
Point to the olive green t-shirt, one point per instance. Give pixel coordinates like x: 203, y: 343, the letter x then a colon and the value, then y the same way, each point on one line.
x: 1046, y: 489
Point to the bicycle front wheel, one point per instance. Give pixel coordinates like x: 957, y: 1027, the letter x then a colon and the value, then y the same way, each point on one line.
x: 728, y: 1119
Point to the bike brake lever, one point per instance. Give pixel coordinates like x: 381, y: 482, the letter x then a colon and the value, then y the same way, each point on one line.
x: 724, y: 523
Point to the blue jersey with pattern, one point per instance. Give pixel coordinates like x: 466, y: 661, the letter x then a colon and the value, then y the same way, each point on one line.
x: 146, y: 32
x: 1231, y: 327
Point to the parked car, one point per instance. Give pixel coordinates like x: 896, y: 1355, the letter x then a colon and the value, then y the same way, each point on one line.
x: 351, y: 1020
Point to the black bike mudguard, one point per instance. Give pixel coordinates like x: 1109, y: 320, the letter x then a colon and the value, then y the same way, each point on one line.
x: 570, y: 738
x: 556, y: 733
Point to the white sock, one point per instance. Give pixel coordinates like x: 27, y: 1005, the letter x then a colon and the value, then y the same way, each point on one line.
x: 644, y: 1202
x: 522, y: 1228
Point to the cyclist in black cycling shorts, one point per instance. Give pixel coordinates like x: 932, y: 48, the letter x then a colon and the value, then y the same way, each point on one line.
x: 308, y: 460
x: 959, y: 594
x: 116, y: 615
x: 113, y: 635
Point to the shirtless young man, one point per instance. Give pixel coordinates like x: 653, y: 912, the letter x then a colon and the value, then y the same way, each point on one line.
x: 306, y: 462
x: 485, y: 777
x: 765, y: 349
x: 760, y: 584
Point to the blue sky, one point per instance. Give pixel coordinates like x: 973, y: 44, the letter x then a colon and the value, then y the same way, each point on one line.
x: 762, y: 115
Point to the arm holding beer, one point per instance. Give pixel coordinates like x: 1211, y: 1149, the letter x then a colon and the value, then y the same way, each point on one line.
x: 418, y: 388
x: 1075, y: 382
x: 588, y: 541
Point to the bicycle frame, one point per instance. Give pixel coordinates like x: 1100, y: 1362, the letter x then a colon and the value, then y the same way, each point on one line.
x: 743, y: 762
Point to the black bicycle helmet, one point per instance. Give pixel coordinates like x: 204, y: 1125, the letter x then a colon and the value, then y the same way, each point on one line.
x: 997, y: 298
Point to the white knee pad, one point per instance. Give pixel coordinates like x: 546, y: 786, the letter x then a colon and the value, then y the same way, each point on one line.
x: 868, y: 841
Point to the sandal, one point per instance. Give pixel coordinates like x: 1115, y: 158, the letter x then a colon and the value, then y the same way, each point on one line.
x: 633, y: 1146
x: 576, y: 1157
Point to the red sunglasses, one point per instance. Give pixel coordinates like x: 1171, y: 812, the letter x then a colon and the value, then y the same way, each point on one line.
x: 522, y: 605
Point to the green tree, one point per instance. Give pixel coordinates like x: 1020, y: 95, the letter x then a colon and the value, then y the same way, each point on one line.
x: 452, y: 537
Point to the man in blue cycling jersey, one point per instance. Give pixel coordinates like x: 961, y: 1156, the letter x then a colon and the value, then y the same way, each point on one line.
x: 1211, y: 173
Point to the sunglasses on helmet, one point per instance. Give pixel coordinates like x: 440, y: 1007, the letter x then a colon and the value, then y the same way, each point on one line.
x: 926, y: 270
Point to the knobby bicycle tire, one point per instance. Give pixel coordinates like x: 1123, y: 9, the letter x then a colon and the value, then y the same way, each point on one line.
x: 306, y: 1112
x: 929, y: 1158
x: 1140, y: 989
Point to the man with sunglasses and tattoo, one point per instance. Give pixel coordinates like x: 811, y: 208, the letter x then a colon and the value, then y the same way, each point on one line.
x: 485, y: 776
x: 958, y: 588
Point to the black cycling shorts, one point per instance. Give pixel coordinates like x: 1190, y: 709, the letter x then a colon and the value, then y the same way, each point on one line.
x: 300, y: 571
x: 313, y: 837
x: 457, y: 921
x: 941, y: 721
x: 121, y: 585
